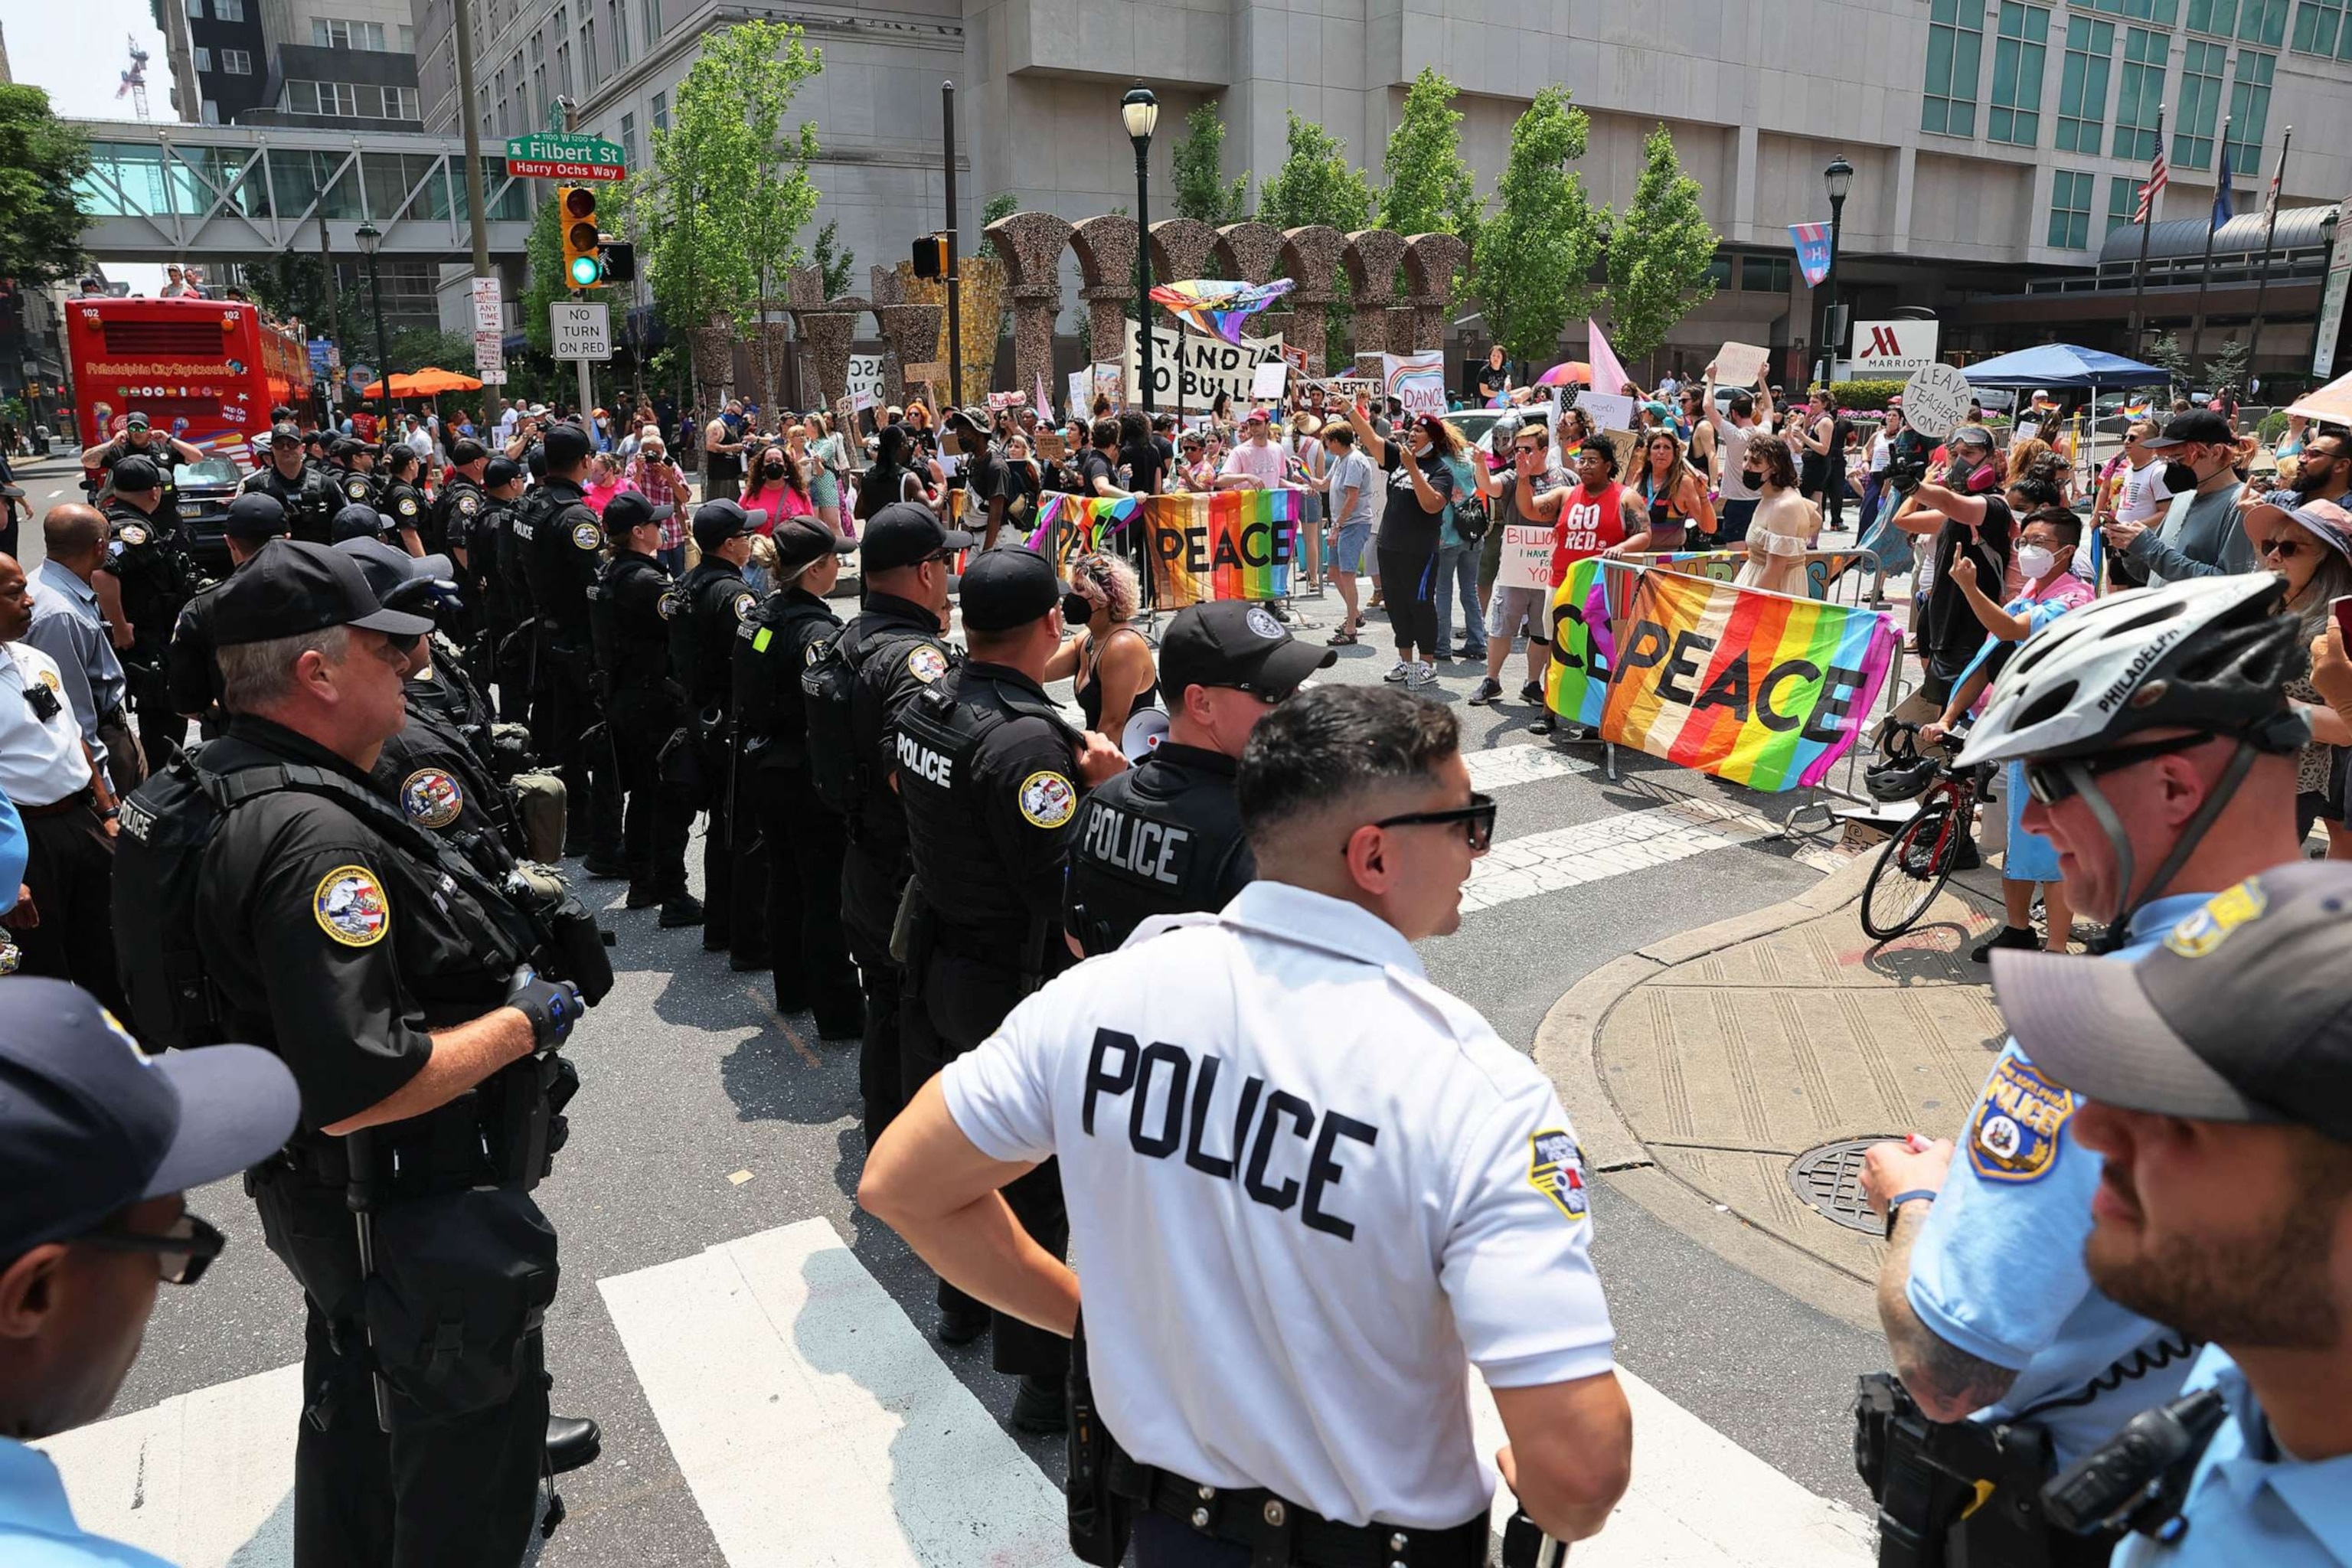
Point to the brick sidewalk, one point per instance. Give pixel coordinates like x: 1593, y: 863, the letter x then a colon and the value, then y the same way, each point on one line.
x: 1719, y: 1056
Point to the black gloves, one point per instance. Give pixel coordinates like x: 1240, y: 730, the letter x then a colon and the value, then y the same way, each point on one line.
x: 552, y: 1006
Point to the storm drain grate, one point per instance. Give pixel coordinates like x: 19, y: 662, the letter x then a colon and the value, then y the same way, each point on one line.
x: 1828, y: 1180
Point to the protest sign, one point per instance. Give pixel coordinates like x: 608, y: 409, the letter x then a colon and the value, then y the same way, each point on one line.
x: 1345, y: 389
x: 1189, y: 369
x: 1935, y: 399
x: 1740, y: 364
x: 866, y: 377
x: 1607, y: 410
x: 1107, y: 382
x: 1527, y: 556
x: 1266, y: 381
x: 1417, y: 381
x: 1229, y: 544
x: 1050, y: 447
x: 1069, y: 526
x: 1760, y: 689
x: 1082, y: 392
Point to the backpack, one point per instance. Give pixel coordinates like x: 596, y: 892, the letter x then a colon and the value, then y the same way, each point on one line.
x: 828, y: 689
x: 1467, y: 512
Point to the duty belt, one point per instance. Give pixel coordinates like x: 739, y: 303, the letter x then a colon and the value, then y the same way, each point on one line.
x: 445, y: 1149
x: 1279, y: 1532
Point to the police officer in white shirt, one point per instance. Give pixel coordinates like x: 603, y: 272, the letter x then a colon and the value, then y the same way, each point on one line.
x: 1309, y: 1190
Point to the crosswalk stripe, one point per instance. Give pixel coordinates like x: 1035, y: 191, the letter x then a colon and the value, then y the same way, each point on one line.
x: 1593, y: 851
x: 816, y: 1425
x: 814, y: 1422
x: 1498, y: 767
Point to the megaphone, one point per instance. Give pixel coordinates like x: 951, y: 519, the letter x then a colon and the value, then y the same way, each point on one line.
x: 1146, y: 728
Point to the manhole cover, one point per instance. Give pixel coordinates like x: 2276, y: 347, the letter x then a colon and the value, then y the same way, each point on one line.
x: 1828, y: 1180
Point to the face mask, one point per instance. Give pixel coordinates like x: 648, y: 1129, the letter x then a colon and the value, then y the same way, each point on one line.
x: 2035, y: 562
x: 1980, y: 478
x: 2179, y: 477
x: 1076, y: 608
x: 1752, y: 478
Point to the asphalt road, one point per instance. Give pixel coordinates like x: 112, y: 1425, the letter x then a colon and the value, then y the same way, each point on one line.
x: 704, y: 1118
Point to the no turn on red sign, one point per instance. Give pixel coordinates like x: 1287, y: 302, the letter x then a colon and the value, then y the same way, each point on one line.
x: 581, y: 332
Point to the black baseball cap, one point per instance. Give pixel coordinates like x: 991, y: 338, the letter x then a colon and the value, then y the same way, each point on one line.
x: 347, y: 447
x: 137, y: 475
x: 905, y: 533
x: 1007, y: 588
x: 500, y: 471
x: 291, y: 587
x: 1229, y: 642
x: 631, y: 510
x: 359, y: 520
x: 255, y: 515
x: 716, y: 521
x: 2198, y: 426
x: 2241, y: 1014
x: 566, y: 445
x: 802, y: 542
x: 90, y: 1124
x: 134, y: 420
x: 389, y: 569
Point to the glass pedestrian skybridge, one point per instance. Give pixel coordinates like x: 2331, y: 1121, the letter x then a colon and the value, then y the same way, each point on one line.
x: 178, y: 192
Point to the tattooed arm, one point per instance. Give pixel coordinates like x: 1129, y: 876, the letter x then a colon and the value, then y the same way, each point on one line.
x: 1947, y: 1381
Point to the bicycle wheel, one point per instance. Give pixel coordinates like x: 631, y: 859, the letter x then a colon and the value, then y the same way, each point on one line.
x: 1910, y: 872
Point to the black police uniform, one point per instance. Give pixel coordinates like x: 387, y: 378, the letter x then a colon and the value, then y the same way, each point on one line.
x: 157, y: 451
x: 310, y: 499
x: 327, y: 942
x: 448, y: 529
x: 448, y: 524
x: 435, y: 775
x: 353, y: 487
x: 630, y: 610
x: 148, y: 555
x: 562, y: 552
x: 192, y: 679
x: 498, y: 542
x: 1163, y: 838
x: 804, y: 838
x: 987, y: 769
x: 712, y: 605
x: 899, y: 651
x: 406, y: 505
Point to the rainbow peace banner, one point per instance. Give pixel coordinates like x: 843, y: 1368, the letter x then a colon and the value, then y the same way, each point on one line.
x: 1761, y: 688
x: 1227, y: 544
x: 1070, y: 526
x: 1576, y: 681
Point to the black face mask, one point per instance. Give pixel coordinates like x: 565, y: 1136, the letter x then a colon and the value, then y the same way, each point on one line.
x: 2179, y: 477
x: 1076, y: 608
x: 1752, y: 478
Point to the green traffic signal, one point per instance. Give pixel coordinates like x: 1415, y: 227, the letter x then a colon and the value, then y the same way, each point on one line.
x: 586, y: 271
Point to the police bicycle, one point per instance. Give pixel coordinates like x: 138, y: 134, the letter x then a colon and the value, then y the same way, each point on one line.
x: 1939, y: 840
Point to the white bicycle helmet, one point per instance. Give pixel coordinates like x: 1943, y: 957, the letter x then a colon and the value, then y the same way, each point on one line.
x: 2210, y: 653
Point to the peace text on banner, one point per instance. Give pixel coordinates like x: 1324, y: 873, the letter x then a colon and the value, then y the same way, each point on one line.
x: 1226, y: 544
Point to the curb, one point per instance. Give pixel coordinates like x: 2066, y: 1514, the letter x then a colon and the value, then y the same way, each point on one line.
x: 1564, y: 1047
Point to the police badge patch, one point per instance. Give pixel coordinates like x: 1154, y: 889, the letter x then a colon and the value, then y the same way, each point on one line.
x: 131, y: 533
x: 1262, y: 622
x: 587, y: 536
x: 2203, y: 929
x: 2014, y: 1134
x: 350, y: 906
x: 431, y: 798
x: 926, y: 663
x: 470, y: 503
x: 669, y: 603
x: 407, y: 507
x: 1555, y: 1169
x: 744, y: 605
x: 1047, y: 799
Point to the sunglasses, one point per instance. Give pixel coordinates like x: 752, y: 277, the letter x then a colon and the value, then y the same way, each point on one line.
x: 181, y: 1253
x: 2284, y: 548
x: 2050, y: 783
x: 1477, y: 820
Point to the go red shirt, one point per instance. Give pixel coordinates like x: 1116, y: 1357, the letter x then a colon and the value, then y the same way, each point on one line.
x: 1589, y: 523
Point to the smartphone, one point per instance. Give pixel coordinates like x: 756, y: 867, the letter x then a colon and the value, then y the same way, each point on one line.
x: 2341, y: 610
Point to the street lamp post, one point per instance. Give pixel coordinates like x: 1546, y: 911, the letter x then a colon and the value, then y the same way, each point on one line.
x: 369, y: 237
x: 2327, y: 266
x: 1141, y: 112
x: 1839, y: 178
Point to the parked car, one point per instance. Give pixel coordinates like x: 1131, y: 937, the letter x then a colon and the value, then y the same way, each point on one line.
x: 206, y: 489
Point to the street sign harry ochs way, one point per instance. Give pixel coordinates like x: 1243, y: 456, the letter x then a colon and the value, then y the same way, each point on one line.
x: 563, y: 155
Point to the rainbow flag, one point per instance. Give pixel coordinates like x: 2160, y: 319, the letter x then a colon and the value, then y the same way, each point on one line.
x: 2137, y: 410
x: 1761, y: 688
x: 1576, y: 682
x: 1070, y: 526
x: 1227, y: 544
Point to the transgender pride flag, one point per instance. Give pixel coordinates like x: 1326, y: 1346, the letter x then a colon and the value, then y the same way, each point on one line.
x: 1813, y: 250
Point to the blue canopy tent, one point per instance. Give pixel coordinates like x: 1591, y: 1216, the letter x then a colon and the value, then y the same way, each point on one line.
x: 2055, y: 365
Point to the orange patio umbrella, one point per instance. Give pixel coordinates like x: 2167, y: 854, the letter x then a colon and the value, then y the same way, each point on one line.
x: 429, y: 382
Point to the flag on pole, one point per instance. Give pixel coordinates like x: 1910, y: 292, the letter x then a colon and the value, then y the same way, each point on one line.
x: 2271, y: 195
x: 1044, y: 408
x: 2223, y: 208
x: 2157, y: 180
x: 1813, y: 250
x: 1608, y: 376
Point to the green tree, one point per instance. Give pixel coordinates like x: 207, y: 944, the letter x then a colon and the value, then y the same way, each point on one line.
x: 292, y: 285
x: 2228, y: 367
x: 731, y: 188
x: 1002, y: 205
x: 543, y: 282
x: 1660, y: 251
x: 1429, y: 189
x: 40, y: 159
x: 1316, y: 184
x: 1537, y: 254
x: 414, y: 348
x: 838, y: 265
x: 1202, y: 190
x: 2168, y: 355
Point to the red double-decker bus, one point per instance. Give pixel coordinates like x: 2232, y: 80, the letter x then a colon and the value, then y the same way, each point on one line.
x: 206, y: 370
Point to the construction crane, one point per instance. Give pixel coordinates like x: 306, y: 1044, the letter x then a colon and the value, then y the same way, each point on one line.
x: 135, y: 80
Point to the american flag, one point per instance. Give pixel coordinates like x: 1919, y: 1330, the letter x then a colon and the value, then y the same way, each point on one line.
x: 2155, y: 187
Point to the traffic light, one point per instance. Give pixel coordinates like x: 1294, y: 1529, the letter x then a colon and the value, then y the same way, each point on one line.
x: 932, y: 256
x: 583, y: 263
x: 619, y: 260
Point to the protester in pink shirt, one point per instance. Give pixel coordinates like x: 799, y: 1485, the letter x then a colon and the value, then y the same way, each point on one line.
x: 1257, y: 464
x: 604, y: 481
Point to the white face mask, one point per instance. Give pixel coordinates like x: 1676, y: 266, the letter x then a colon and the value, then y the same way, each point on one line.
x: 2035, y: 562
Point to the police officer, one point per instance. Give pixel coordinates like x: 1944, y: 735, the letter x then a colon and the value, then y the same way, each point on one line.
x: 991, y: 772
x: 1252, y: 1108
x: 1999, y: 1338
x: 352, y: 462
x: 1166, y: 837
x: 310, y: 499
x: 494, y: 549
x: 359, y: 520
x: 895, y: 648
x: 398, y: 498
x: 413, y: 1009
x: 147, y: 555
x: 191, y: 678
x: 447, y: 530
x: 561, y: 551
x: 630, y: 611
x: 804, y: 838
x: 712, y: 603
x: 2217, y: 1064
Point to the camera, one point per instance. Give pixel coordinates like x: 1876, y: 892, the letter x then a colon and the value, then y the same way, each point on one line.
x: 1906, y: 473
